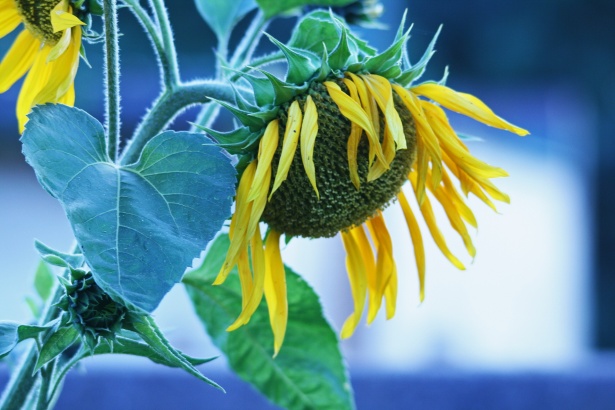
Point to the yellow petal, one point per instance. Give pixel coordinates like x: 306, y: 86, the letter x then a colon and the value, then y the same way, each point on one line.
x: 62, y: 18
x: 9, y: 18
x: 358, y: 283
x: 266, y: 149
x: 239, y: 223
x: 369, y: 262
x: 18, y: 59
x: 69, y: 97
x: 256, y: 294
x: 353, y: 139
x: 258, y: 205
x: 371, y: 108
x: 275, y: 290
x: 430, y: 219
x: 465, y: 104
x: 62, y: 71
x: 61, y: 45
x: 417, y: 241
x: 381, y: 89
x: 390, y: 294
x: 385, y: 264
x: 428, y: 149
x: 35, y: 81
x: 309, y: 130
x: 355, y: 113
x: 454, y: 218
x: 289, y: 145
x: 245, y: 276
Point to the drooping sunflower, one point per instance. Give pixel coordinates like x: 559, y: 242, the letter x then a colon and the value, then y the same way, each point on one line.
x: 330, y: 147
x: 47, y: 48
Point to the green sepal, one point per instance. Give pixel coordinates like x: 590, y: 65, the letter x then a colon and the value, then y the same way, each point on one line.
x: 339, y: 56
x: 245, y: 117
x: 413, y: 72
x: 238, y: 141
x: 57, y: 343
x: 147, y: 329
x: 95, y: 7
x: 325, y: 68
x: 313, y: 29
x: 390, y: 57
x: 242, y: 101
x: 283, y: 91
x: 11, y: 333
x: 301, y: 64
x: 392, y: 72
x: 264, y: 93
x: 57, y: 258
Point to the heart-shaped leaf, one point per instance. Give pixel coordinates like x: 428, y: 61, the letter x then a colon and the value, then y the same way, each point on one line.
x: 140, y: 225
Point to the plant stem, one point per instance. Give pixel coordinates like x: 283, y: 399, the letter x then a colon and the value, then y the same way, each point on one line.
x: 170, y: 71
x: 112, y: 71
x: 43, y: 392
x: 246, y: 47
x: 170, y: 103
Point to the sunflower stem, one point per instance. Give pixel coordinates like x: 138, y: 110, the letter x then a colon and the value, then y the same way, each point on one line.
x: 112, y: 71
x: 168, y: 105
x: 170, y: 69
x: 248, y: 44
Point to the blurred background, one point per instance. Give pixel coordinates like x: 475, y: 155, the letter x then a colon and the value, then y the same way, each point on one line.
x: 539, y: 297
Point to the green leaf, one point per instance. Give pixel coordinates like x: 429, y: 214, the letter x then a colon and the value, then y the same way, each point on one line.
x: 57, y: 258
x: 151, y: 334
x: 308, y: 372
x: 58, y: 342
x: 222, y: 15
x: 125, y: 345
x: 11, y: 333
x: 43, y: 281
x: 275, y: 7
x: 139, y: 226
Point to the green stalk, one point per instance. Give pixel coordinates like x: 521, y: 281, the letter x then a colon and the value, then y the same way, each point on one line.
x: 170, y: 68
x: 112, y: 71
x: 171, y: 103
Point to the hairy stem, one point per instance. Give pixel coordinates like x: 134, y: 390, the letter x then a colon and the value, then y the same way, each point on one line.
x: 170, y: 70
x: 170, y: 103
x: 112, y: 72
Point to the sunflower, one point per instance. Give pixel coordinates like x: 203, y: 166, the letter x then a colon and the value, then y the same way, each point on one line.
x: 329, y: 148
x: 47, y: 48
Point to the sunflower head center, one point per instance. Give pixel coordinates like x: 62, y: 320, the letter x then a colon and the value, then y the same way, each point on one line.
x: 295, y: 209
x: 36, y: 15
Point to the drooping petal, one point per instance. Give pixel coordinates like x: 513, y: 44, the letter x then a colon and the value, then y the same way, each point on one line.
x: 382, y: 91
x: 428, y: 149
x: 430, y: 219
x: 239, y: 223
x: 358, y: 283
x: 289, y: 145
x: 18, y: 59
x: 256, y: 295
x: 275, y: 289
x: 465, y: 104
x: 258, y: 205
x: 355, y: 113
x: 69, y: 97
x: 266, y: 149
x: 385, y: 264
x: 371, y: 108
x: 309, y: 130
x: 369, y: 262
x: 245, y: 276
x: 354, y: 139
x: 417, y: 241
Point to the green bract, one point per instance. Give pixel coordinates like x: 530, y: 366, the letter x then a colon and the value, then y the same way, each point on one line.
x: 322, y: 47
